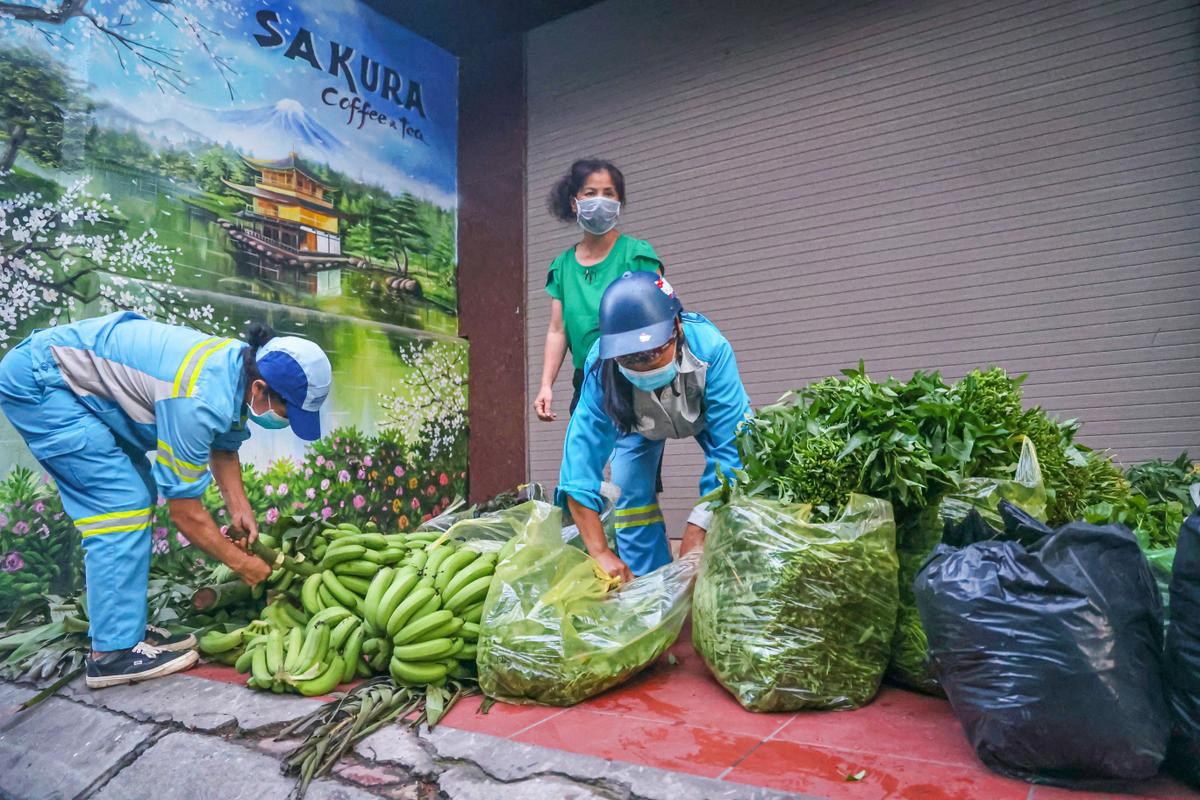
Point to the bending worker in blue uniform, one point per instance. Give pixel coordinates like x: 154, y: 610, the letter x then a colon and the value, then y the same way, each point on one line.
x: 666, y: 374
x: 93, y: 398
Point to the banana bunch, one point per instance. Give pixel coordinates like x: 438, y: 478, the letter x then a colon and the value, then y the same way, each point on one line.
x: 417, y: 613
x: 287, y: 650
x: 348, y: 559
x: 407, y: 605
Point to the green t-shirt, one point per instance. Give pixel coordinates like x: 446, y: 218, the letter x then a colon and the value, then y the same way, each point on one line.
x: 579, y: 288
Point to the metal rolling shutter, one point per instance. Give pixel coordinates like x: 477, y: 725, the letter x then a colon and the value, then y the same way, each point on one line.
x: 923, y: 185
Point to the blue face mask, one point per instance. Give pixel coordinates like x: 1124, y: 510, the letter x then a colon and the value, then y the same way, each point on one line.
x: 652, y: 379
x: 269, y: 419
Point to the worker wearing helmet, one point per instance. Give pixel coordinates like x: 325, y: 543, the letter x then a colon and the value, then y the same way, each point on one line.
x: 93, y: 398
x: 663, y: 373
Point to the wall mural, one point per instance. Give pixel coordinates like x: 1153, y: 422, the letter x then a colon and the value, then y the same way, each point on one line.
x: 213, y: 163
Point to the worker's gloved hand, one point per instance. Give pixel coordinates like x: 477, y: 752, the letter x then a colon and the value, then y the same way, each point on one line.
x: 253, y: 570
x: 245, y: 521
x: 613, y: 565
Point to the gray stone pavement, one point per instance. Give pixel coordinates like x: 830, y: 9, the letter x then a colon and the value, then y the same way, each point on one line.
x: 185, y: 737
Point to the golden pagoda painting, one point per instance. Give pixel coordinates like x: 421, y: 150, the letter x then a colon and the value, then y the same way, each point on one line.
x: 289, y: 228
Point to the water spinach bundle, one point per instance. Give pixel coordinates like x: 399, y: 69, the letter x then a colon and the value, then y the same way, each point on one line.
x: 792, y: 614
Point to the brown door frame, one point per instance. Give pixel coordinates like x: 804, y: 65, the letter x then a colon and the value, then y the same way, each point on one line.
x: 491, y: 260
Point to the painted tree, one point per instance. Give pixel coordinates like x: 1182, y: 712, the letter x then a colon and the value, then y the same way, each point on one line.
x: 430, y: 410
x: 34, y: 98
x: 59, y: 254
x: 408, y: 235
x: 445, y: 251
x: 122, y: 25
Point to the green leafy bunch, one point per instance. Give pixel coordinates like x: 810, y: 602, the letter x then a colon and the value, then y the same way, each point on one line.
x: 897, y: 441
x: 1157, y: 502
x: 985, y: 411
x: 1090, y: 479
x: 1161, y: 481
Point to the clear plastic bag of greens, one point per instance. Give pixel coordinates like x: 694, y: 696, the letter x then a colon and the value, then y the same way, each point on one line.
x: 555, y: 629
x: 610, y: 493
x: 910, y: 647
x: 791, y: 614
x: 489, y: 531
x: 459, y: 510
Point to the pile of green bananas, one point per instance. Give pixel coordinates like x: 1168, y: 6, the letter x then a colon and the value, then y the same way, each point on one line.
x: 357, y: 603
x: 423, y: 615
x: 288, y: 650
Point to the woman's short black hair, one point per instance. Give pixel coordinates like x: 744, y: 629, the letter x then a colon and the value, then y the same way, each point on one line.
x: 256, y: 335
x: 570, y: 184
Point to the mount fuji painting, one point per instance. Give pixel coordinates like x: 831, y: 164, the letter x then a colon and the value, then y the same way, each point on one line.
x: 286, y: 120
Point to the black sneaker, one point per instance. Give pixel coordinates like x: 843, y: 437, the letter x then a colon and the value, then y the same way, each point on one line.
x: 139, y: 663
x: 163, y: 639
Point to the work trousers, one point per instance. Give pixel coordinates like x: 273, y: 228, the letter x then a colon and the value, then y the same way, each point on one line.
x: 106, y: 490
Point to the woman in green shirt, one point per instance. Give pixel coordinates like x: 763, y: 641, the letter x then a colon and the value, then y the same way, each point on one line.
x: 591, y: 194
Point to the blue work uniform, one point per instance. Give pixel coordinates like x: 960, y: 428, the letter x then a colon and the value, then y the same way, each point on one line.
x: 591, y: 435
x: 91, y: 400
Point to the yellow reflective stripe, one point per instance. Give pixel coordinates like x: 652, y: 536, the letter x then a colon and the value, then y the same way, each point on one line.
x: 638, y: 523
x: 628, y: 512
x: 187, y: 360
x: 112, y: 515
x: 170, y: 452
x: 200, y: 364
x: 115, y: 529
x: 186, y: 478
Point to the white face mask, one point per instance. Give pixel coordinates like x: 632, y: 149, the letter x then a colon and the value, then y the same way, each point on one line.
x: 597, y: 215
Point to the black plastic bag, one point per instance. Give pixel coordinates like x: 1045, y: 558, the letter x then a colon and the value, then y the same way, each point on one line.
x: 1048, y: 645
x: 1183, y: 653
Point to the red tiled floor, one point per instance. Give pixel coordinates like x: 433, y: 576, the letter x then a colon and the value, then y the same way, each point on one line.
x: 897, y: 722
x: 673, y: 746
x: 677, y: 717
x: 822, y: 771
x: 686, y: 693
x: 502, y: 719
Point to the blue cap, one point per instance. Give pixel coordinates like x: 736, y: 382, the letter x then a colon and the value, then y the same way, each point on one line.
x: 299, y: 372
x: 637, y: 313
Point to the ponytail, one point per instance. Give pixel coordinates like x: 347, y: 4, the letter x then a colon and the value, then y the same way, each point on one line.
x: 256, y: 335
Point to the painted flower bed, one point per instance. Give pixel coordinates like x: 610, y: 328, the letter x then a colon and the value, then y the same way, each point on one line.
x: 359, y: 477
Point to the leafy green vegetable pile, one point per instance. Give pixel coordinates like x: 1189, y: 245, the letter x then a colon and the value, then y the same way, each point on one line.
x: 554, y: 631
x: 1157, y: 502
x: 793, y: 614
x: 910, y: 442
x: 915, y: 443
